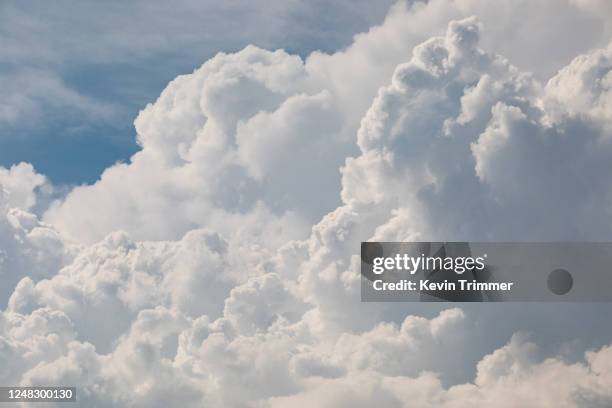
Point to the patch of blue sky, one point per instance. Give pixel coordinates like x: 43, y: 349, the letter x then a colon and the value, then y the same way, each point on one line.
x: 102, y: 81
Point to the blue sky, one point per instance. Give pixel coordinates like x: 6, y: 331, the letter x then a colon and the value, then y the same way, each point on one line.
x: 75, y: 75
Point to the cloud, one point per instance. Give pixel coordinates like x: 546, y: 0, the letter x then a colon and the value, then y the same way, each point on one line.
x: 508, y: 377
x: 216, y: 140
x: 54, y: 84
x: 33, y: 96
x: 28, y: 248
x: 229, y: 288
x: 460, y: 137
x: 226, y: 141
x: 51, y: 75
x: 583, y: 88
x: 108, y: 284
x: 23, y: 185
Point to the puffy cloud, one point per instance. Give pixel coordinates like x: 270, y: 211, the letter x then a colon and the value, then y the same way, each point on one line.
x: 22, y: 185
x: 28, y: 247
x: 216, y: 141
x: 259, y: 302
x: 29, y: 339
x: 165, y: 357
x: 583, y: 88
x: 461, y: 137
x: 508, y: 377
x: 406, y: 350
x: 222, y: 143
x: 206, y: 300
x: 107, y: 285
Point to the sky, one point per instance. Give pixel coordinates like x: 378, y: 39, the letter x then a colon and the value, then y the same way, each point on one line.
x: 217, y: 264
x: 75, y: 75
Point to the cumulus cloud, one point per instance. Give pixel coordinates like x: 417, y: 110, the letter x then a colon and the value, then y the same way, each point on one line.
x: 228, y: 287
x: 28, y: 248
x: 508, y: 377
x: 23, y: 186
x: 226, y: 142
x: 217, y: 141
x: 108, y: 284
x: 461, y: 137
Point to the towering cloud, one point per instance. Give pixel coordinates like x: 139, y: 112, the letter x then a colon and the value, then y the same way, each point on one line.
x: 235, y: 279
x: 230, y: 139
x: 480, y: 151
x: 222, y: 148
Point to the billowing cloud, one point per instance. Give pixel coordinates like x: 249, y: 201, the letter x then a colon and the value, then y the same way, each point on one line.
x: 225, y: 142
x: 508, y: 377
x: 28, y: 247
x: 461, y: 137
x: 223, y: 269
x: 23, y: 186
x: 214, y: 143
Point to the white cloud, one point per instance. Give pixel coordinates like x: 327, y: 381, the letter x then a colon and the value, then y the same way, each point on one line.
x: 204, y: 144
x: 108, y: 284
x: 583, y: 88
x: 462, y: 138
x: 28, y: 247
x: 22, y: 185
x: 214, y: 297
x: 218, y: 137
x: 509, y: 377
